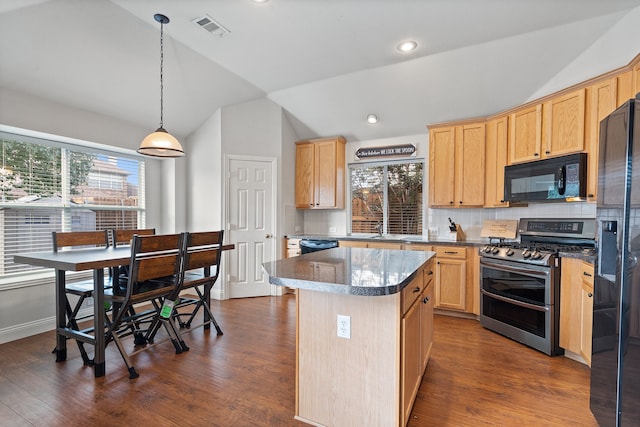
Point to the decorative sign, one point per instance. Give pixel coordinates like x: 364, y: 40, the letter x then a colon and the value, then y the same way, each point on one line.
x: 504, y: 228
x: 387, y: 151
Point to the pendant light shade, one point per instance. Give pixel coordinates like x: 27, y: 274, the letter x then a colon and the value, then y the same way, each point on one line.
x: 161, y: 143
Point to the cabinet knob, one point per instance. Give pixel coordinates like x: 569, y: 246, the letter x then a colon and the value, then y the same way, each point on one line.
x: 589, y: 294
x: 460, y: 202
x: 430, y: 273
x: 591, y: 196
x: 416, y: 290
x: 547, y: 152
x: 501, y: 201
x: 536, y: 154
x: 451, y: 202
x: 425, y: 300
x: 268, y: 236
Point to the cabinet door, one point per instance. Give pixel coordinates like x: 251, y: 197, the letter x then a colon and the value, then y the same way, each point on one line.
x: 305, y: 164
x: 601, y: 102
x: 325, y: 175
x: 426, y: 324
x: 525, y: 134
x: 441, y: 166
x: 570, y: 305
x: 411, y: 362
x: 564, y: 124
x: 496, y: 143
x: 451, y: 277
x: 470, y: 166
x: 586, y: 318
x: 625, y: 86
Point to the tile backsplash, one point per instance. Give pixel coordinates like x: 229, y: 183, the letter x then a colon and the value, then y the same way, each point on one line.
x: 334, y: 222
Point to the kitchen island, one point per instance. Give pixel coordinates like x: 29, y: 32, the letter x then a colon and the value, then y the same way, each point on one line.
x: 363, y: 332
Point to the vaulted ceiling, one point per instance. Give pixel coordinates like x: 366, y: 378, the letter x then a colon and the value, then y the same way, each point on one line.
x: 328, y: 63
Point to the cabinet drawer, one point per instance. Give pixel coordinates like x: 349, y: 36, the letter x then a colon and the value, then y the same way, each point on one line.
x: 586, y: 273
x: 451, y: 252
x: 293, y: 243
x: 293, y: 252
x: 411, y: 292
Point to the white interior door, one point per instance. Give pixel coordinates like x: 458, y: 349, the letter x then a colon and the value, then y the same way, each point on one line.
x: 251, y: 225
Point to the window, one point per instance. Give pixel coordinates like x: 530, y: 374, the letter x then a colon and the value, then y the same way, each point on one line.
x: 387, y: 195
x: 47, y: 186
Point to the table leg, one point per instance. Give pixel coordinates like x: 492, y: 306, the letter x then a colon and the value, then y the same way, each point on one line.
x: 99, y: 321
x: 61, y: 316
x: 207, y: 298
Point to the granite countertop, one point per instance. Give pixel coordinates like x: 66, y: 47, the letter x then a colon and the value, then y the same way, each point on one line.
x: 397, y: 238
x: 351, y: 271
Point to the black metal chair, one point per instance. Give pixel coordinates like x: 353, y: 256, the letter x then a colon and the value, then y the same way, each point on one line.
x: 81, y: 289
x: 201, y: 267
x: 154, y: 275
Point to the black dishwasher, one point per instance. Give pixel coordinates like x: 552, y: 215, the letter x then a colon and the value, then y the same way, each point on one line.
x: 314, y: 245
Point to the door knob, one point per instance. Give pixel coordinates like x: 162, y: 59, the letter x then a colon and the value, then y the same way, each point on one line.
x: 268, y: 236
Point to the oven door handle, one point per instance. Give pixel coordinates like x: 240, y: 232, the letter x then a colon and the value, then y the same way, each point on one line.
x: 514, y: 302
x: 525, y: 271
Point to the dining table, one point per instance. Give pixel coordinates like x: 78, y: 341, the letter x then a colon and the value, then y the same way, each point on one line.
x: 96, y: 259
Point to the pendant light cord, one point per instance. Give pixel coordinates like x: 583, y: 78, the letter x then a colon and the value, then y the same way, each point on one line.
x: 161, y: 76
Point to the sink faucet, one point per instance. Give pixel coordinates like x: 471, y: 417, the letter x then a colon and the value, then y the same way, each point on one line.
x: 379, y: 228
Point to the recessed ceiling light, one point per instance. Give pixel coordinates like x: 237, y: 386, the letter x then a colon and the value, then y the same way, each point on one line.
x: 407, y: 46
x: 260, y: 1
x: 372, y: 119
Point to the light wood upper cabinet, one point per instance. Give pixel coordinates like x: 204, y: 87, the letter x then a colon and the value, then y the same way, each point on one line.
x: 564, y: 124
x: 320, y: 169
x: 625, y: 87
x: 470, y: 166
x: 601, y: 100
x: 636, y: 80
x: 496, y: 144
x: 442, y: 166
x: 456, y: 166
x: 553, y: 128
x: 525, y: 134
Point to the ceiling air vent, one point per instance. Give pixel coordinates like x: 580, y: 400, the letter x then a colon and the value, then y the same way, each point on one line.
x: 211, y: 26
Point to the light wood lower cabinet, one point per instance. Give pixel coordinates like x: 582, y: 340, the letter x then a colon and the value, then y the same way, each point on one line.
x: 417, y: 335
x: 451, y: 277
x: 576, y: 308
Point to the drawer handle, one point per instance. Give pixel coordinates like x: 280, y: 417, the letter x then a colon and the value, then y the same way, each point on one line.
x: 451, y: 252
x: 430, y: 273
x: 416, y: 290
x: 586, y: 274
x: 425, y: 300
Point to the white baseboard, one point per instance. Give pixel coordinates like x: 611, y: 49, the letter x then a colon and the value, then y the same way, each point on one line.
x: 23, y: 330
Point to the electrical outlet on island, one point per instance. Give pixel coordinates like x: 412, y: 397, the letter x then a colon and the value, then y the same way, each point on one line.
x: 344, y: 326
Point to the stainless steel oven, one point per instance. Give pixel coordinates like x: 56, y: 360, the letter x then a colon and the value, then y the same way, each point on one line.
x: 519, y: 301
x: 520, y: 281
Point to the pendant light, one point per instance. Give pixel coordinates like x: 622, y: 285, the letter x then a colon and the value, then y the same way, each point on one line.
x: 161, y: 143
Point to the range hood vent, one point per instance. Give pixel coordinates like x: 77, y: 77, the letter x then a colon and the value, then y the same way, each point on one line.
x: 208, y: 24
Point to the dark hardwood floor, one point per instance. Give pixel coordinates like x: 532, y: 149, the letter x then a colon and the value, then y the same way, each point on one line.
x: 246, y: 378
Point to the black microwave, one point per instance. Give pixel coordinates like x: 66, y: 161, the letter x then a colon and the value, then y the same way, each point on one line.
x: 556, y: 179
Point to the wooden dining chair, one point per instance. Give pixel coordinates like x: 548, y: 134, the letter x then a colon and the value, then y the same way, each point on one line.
x: 154, y: 275
x: 81, y: 289
x: 124, y: 236
x: 201, y: 267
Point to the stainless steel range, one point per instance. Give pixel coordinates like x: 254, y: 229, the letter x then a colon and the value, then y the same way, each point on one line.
x: 520, y: 281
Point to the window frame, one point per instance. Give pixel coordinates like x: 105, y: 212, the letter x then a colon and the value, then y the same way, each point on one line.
x: 385, y: 207
x: 39, y: 276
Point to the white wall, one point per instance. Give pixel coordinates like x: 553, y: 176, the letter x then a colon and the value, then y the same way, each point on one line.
x: 203, y: 176
x: 28, y: 308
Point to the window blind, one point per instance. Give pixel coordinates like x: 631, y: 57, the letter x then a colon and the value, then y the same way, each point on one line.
x: 388, y: 195
x: 50, y: 186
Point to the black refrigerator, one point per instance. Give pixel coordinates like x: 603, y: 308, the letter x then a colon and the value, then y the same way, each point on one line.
x: 615, y: 358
